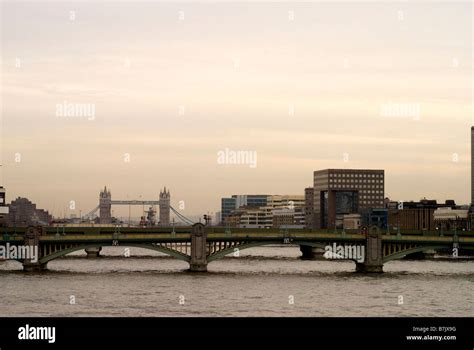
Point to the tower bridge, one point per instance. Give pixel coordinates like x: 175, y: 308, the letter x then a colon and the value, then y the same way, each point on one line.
x: 199, y: 245
x: 105, y: 207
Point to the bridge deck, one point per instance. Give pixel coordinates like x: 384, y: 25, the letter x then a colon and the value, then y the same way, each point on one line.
x: 254, y: 236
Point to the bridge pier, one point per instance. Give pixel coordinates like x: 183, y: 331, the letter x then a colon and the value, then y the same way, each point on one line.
x: 93, y: 252
x: 311, y: 253
x: 373, y: 261
x: 32, y: 264
x: 198, y: 261
x: 32, y: 267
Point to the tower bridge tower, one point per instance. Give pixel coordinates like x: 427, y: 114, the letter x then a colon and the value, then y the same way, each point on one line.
x: 165, y: 198
x: 105, y: 207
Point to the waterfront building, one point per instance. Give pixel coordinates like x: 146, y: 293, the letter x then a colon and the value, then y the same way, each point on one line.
x: 377, y: 217
x: 252, y: 216
x: 352, y: 221
x: 22, y: 212
x: 286, y: 218
x: 249, y: 217
x: 338, y: 192
x: 238, y: 201
x: 227, y: 206
x: 418, y: 216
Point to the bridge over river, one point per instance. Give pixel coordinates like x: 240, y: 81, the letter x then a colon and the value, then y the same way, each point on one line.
x: 199, y: 245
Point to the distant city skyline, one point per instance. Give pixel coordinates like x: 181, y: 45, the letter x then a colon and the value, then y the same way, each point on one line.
x: 138, y: 96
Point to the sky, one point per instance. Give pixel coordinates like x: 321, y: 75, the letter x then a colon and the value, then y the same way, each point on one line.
x: 167, y: 86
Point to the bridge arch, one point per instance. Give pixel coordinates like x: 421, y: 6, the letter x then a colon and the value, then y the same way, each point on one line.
x: 63, y: 252
x: 230, y: 250
x: 403, y: 253
x: 221, y: 253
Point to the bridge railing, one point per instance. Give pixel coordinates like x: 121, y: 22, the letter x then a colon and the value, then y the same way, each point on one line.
x: 64, y: 230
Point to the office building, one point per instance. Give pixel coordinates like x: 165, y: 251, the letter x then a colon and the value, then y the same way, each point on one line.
x: 254, y: 216
x: 377, y: 217
x: 251, y: 200
x: 286, y: 218
x: 295, y: 200
x: 24, y: 213
x: 338, y: 192
x: 238, y: 201
x: 292, y: 202
x: 417, y: 216
x: 352, y: 221
x: 248, y: 217
x: 227, y: 206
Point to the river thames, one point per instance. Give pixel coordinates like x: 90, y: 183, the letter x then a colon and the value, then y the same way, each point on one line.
x: 266, y: 281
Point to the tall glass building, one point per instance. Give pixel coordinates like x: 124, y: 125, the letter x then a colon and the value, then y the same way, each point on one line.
x: 237, y: 201
x: 227, y: 205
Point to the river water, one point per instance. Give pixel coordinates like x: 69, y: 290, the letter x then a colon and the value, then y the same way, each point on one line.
x: 264, y: 281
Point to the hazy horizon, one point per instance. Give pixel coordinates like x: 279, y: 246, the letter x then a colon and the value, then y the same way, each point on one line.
x: 301, y: 85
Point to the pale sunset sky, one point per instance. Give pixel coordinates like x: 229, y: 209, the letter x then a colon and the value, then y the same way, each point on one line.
x: 174, y: 83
